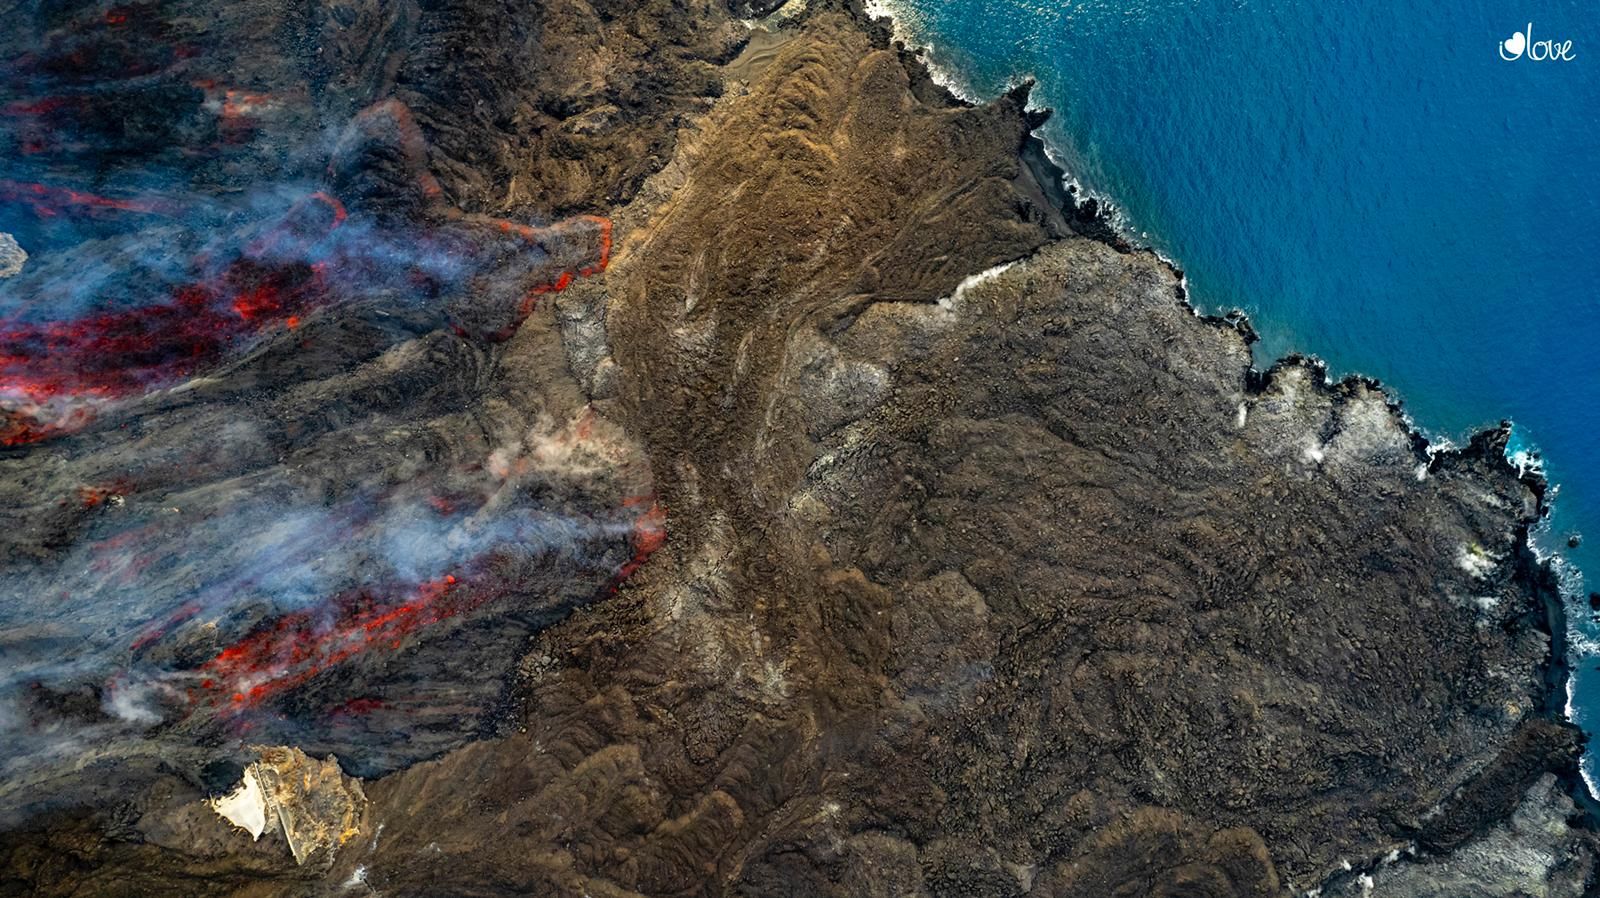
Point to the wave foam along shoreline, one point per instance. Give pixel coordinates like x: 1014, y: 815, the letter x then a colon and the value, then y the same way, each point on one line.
x: 902, y: 24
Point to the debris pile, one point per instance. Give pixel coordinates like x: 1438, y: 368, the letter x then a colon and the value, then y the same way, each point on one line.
x: 314, y: 805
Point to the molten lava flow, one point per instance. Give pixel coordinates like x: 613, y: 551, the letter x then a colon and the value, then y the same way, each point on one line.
x: 47, y: 201
x: 238, y: 111
x: 648, y: 535
x: 57, y: 375
x: 356, y: 707
x: 54, y: 375
x: 93, y: 496
x: 564, y: 279
x: 156, y: 631
x: 128, y: 42
x: 298, y: 646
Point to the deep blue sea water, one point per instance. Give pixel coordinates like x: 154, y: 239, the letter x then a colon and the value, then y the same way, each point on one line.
x: 1373, y: 183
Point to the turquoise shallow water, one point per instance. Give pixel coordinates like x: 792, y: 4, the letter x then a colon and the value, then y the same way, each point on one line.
x: 1374, y: 185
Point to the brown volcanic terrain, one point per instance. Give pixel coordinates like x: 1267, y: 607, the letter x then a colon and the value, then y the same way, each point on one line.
x: 990, y: 568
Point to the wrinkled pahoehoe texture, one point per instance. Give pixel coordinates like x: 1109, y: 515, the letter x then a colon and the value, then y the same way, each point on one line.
x: 990, y: 569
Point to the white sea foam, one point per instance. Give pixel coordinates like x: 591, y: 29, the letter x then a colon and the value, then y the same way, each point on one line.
x: 1108, y: 205
x: 1526, y: 461
x: 1585, y: 763
x: 1583, y: 643
x: 907, y: 28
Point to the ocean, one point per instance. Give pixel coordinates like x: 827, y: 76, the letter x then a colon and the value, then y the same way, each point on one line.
x: 1376, y: 185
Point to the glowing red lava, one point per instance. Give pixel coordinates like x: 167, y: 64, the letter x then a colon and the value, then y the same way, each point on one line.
x: 649, y: 533
x: 47, y: 201
x: 55, y: 374
x: 299, y: 646
x: 565, y: 278
x: 356, y: 707
x: 52, y: 374
x: 156, y: 631
x: 94, y: 496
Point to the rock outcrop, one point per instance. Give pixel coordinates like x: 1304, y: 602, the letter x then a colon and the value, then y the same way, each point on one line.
x: 312, y: 805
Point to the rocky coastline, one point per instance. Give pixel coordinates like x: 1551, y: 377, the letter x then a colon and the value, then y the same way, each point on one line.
x: 1053, y: 186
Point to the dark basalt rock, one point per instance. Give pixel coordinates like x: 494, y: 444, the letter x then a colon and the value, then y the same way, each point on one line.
x: 989, y: 567
x: 281, y: 464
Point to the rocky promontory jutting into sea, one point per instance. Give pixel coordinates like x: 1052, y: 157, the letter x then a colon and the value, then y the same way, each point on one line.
x: 675, y: 448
